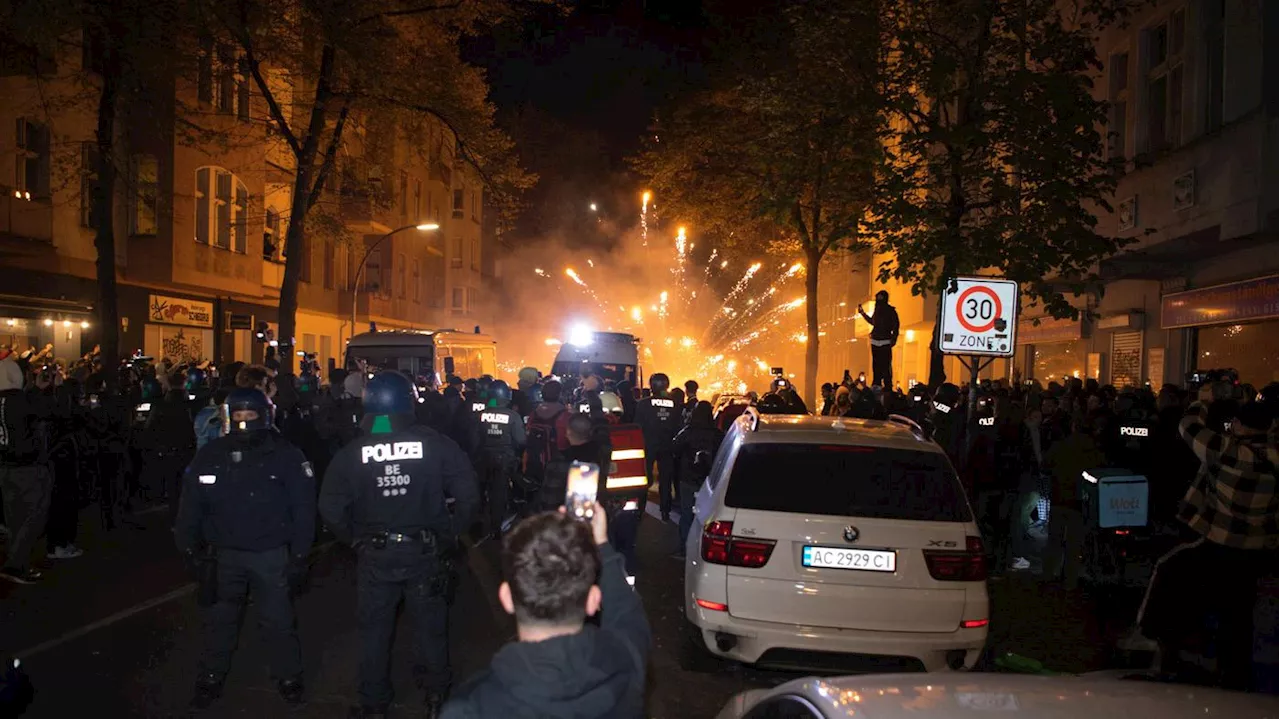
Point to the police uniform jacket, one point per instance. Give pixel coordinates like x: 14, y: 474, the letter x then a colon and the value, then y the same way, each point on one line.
x: 398, y: 482
x: 253, y: 493
x: 499, y: 430
x: 659, y: 420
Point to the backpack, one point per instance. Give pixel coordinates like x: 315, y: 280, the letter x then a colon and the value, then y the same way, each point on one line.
x: 541, y: 446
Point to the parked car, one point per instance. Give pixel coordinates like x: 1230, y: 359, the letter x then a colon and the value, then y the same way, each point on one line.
x: 823, y: 537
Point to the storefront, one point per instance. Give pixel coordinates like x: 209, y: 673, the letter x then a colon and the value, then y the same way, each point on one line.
x: 179, y: 328
x: 1052, y: 350
x: 1233, y: 326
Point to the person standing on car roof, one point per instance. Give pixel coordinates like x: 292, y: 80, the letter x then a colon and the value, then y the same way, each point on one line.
x: 884, y: 335
x: 659, y: 420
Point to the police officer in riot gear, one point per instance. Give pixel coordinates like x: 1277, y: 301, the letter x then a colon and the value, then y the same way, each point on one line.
x: 499, y: 440
x: 248, y: 504
x: 384, y: 494
x: 659, y: 419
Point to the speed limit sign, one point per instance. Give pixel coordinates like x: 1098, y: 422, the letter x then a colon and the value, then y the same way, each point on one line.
x: 979, y: 317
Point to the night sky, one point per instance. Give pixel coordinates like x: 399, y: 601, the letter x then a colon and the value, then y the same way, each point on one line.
x: 577, y: 93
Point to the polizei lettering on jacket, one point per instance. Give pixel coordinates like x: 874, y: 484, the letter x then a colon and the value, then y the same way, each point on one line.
x: 657, y: 402
x: 495, y: 417
x: 390, y: 452
x: 1133, y: 431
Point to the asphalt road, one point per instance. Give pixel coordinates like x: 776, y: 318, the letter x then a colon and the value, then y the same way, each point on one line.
x: 116, y: 633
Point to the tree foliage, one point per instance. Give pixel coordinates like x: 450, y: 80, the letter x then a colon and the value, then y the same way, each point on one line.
x: 783, y: 143
x: 324, y: 66
x: 995, y: 160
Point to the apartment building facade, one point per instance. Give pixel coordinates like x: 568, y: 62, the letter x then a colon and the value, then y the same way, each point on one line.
x: 1192, y: 86
x: 202, y: 217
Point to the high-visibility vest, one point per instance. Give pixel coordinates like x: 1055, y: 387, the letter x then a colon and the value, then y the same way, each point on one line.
x: 626, y: 463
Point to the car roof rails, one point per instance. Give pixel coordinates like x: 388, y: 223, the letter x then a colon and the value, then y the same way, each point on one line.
x: 752, y: 416
x: 910, y: 424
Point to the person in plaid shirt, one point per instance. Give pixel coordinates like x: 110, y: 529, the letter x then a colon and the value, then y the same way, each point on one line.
x: 1232, y: 507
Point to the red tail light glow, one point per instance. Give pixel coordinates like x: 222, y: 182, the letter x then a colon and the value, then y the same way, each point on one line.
x: 968, y: 623
x: 967, y: 566
x: 713, y: 606
x: 719, y: 546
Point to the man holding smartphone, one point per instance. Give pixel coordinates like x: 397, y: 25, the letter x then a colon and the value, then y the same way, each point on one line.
x: 561, y: 666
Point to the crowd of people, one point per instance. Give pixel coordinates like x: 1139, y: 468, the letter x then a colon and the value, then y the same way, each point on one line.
x: 404, y: 474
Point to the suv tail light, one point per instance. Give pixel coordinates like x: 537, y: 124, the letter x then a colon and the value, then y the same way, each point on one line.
x: 967, y: 566
x: 719, y: 546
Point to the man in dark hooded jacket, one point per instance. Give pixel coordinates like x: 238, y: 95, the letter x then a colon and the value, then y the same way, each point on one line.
x: 695, y: 448
x: 561, y: 666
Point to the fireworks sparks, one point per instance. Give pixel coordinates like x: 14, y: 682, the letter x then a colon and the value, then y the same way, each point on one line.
x: 573, y: 275
x: 540, y: 272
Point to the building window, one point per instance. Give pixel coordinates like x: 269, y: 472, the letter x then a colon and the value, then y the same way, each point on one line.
x: 222, y: 209
x: 417, y: 200
x: 31, y: 172
x: 1213, y: 21
x: 1118, y: 92
x: 475, y: 205
x: 222, y: 79
x: 404, y: 195
x: 475, y: 255
x: 416, y: 278
x: 459, y: 299
x: 330, y: 262
x: 1164, y: 44
x: 373, y: 272
x: 459, y: 204
x: 145, y: 191
x: 88, y: 184
x: 455, y: 260
x: 272, y: 240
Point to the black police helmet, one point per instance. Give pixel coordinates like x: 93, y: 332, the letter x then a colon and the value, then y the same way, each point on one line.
x: 248, y: 399
x: 947, y: 394
x: 659, y: 382
x: 390, y: 393
x: 500, y: 392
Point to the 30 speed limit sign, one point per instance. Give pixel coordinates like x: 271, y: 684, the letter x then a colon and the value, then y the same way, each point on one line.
x: 979, y: 317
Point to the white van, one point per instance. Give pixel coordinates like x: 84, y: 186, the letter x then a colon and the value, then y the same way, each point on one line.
x: 429, y: 356
x: 609, y: 355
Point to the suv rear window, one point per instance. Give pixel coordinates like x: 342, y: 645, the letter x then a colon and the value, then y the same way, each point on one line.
x: 846, y: 481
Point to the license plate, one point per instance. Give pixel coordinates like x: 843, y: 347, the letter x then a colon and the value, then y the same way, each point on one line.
x: 869, y: 560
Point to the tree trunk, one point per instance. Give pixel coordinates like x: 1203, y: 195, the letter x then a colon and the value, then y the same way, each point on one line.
x: 937, y: 369
x: 104, y: 240
x: 813, y: 258
x: 294, y: 236
x: 305, y: 176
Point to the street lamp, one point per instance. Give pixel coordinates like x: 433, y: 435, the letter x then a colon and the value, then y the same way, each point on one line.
x: 355, y: 288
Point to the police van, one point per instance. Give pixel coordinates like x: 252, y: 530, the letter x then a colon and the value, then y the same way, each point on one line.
x: 428, y: 356
x: 608, y: 355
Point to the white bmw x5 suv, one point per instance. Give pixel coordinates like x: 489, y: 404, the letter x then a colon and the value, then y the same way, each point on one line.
x: 820, y: 540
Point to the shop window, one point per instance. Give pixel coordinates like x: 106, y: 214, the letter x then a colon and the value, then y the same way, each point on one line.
x: 1249, y: 349
x: 1126, y: 359
x: 145, y: 195
x: 222, y: 209
x: 1058, y: 361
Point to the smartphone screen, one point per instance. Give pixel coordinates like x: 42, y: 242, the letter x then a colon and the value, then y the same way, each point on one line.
x: 580, y: 494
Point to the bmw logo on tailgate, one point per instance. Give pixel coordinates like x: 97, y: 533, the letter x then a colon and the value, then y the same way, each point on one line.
x: 850, y: 533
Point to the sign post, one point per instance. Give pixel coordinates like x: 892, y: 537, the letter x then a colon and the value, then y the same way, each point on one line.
x: 979, y: 317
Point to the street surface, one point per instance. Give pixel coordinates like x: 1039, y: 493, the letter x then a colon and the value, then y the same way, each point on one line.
x: 116, y: 632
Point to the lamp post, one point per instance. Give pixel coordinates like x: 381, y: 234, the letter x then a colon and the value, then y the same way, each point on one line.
x: 355, y: 287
